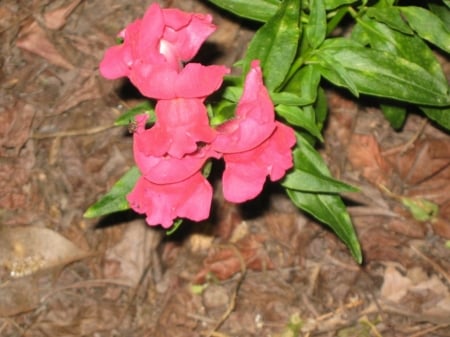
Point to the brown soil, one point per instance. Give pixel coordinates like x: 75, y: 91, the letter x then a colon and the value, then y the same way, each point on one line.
x: 263, y: 269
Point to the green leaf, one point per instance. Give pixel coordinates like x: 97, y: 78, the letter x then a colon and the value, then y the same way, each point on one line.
x: 301, y: 180
x: 332, y: 4
x: 384, y: 74
x: 305, y: 83
x: 428, y: 25
x: 275, y: 44
x: 128, y: 116
x: 440, y: 10
x: 288, y: 98
x: 409, y: 47
x: 222, y: 113
x: 115, y: 200
x: 321, y: 108
x: 390, y: 16
x: 421, y: 209
x: 316, y: 28
x: 258, y: 10
x: 335, y: 72
x: 304, y: 118
x: 329, y: 209
x: 440, y: 116
x: 396, y: 115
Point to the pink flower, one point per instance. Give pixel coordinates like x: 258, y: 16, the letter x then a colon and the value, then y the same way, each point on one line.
x: 193, y: 81
x: 255, y: 117
x: 180, y: 125
x: 190, y: 198
x: 152, y: 151
x: 245, y: 172
x: 155, y: 47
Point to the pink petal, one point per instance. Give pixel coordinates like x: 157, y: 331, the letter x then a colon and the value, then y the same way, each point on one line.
x: 167, y: 169
x: 255, y: 117
x: 186, y: 32
x: 185, y: 123
x: 198, y: 81
x: 162, y: 204
x: 245, y: 172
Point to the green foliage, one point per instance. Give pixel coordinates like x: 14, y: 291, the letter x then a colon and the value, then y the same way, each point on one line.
x: 115, y: 200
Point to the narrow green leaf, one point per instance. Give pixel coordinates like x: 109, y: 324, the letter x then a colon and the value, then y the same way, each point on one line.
x: 332, y: 4
x: 440, y: 116
x: 316, y: 28
x: 384, y: 74
x: 305, y: 83
x: 300, y: 117
x: 128, y: 116
x: 258, y: 10
x: 409, y: 47
x: 301, y: 180
x: 335, y: 72
x: 308, y: 159
x: 331, y: 210
x: 390, y: 16
x: 321, y: 108
x: 428, y: 25
x: 275, y: 44
x: 288, y: 98
x: 396, y: 115
x: 440, y: 10
x: 115, y: 200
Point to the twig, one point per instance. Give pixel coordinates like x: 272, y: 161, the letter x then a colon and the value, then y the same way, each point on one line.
x: 425, y: 332
x: 232, y: 304
x: 72, y: 133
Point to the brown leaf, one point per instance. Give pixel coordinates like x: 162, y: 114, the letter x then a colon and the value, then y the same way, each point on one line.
x: 33, y: 39
x: 227, y: 260
x: 28, y: 250
x: 364, y: 154
x: 15, y: 125
x: 18, y: 297
x: 57, y: 18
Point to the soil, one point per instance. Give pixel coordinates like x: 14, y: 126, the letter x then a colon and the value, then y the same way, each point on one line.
x: 260, y: 269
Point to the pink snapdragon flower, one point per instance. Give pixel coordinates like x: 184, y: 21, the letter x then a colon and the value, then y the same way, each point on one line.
x: 253, y: 144
x: 161, y: 37
x: 190, y: 198
x: 154, y: 49
x: 255, y: 117
x: 180, y: 125
x: 245, y: 172
x: 157, y: 165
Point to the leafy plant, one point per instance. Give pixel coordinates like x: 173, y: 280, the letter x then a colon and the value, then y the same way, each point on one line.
x: 386, y: 52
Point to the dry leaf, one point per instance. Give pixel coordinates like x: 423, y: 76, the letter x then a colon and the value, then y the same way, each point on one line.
x: 395, y: 285
x: 18, y: 297
x: 28, y: 250
x: 364, y: 154
x: 33, y: 39
x: 57, y: 18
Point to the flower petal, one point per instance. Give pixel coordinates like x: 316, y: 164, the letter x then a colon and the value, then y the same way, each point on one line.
x: 245, y: 172
x: 164, y: 203
x: 255, y: 117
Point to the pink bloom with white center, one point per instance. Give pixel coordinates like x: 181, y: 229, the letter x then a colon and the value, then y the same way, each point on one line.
x: 190, y: 198
x: 155, y: 47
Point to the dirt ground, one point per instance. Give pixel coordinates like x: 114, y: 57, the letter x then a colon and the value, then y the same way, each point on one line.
x: 262, y: 269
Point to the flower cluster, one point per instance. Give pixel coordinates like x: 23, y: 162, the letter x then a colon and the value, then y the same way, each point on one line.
x: 155, y: 54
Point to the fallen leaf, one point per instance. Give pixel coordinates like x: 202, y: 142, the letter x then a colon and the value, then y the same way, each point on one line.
x: 395, y: 285
x: 57, y: 18
x: 364, y: 154
x: 33, y: 39
x: 28, y: 250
